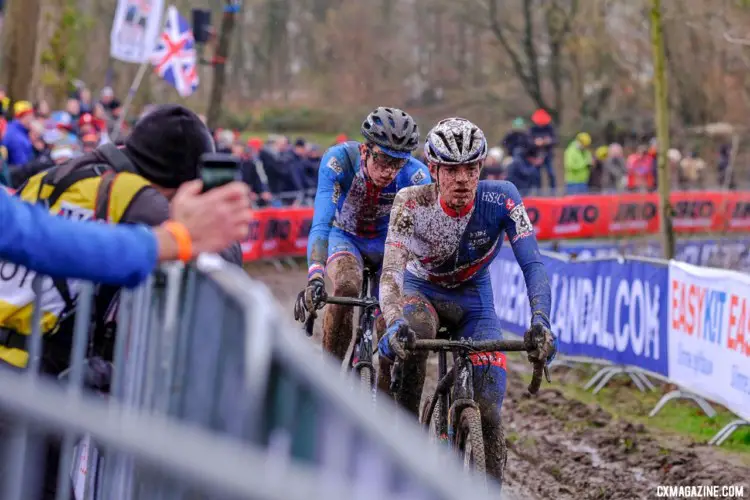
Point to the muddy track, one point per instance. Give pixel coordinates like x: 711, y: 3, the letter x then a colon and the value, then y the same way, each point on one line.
x: 561, y: 448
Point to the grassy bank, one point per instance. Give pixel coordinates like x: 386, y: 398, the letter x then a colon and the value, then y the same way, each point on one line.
x: 623, y: 400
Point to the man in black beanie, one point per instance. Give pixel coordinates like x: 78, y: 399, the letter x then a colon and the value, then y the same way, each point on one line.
x: 121, y: 185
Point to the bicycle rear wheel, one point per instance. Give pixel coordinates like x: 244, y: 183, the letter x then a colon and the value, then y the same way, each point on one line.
x: 470, y: 440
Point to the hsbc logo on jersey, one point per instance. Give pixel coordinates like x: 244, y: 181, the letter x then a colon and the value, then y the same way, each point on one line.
x: 509, y: 204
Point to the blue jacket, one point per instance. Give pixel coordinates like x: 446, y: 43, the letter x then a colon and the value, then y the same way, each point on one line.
x: 347, y: 199
x: 18, y: 144
x: 63, y: 248
x: 544, y: 131
x: 524, y: 175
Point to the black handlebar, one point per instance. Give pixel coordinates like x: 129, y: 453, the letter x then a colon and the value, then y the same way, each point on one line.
x: 466, y: 345
x: 341, y: 301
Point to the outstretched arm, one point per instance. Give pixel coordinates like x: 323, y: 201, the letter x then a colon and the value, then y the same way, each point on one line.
x: 326, y: 199
x: 400, y: 230
x: 523, y: 241
x: 60, y: 247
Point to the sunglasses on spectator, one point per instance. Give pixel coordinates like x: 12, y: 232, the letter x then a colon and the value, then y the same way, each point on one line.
x: 386, y: 162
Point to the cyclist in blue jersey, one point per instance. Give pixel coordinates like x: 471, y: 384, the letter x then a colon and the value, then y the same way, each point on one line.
x: 357, y: 183
x: 441, y: 241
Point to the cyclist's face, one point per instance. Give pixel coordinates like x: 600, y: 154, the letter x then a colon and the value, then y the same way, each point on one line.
x: 381, y: 168
x: 457, y: 184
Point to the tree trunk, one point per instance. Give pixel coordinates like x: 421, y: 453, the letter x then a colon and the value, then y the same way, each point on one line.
x: 219, y: 63
x: 20, y: 26
x: 662, y: 126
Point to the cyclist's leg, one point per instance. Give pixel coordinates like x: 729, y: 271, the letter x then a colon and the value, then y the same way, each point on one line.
x: 344, y: 269
x: 423, y: 320
x: 481, y: 323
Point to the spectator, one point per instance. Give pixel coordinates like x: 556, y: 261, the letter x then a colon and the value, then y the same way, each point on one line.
x: 524, y: 170
x: 615, y: 172
x: 249, y: 171
x: 107, y: 99
x: 224, y: 140
x: 297, y: 162
x: 493, y: 168
x: 578, y: 162
x: 516, y: 140
x: 674, y: 157
x: 41, y: 109
x: 544, y: 136
x: 85, y: 100
x: 4, y: 103
x: 123, y: 255
x: 596, y: 178
x: 693, y: 171
x: 314, y: 154
x: 16, y: 139
x: 725, y: 153
x: 281, y: 178
x: 89, y: 142
x: 641, y: 171
x: 73, y: 108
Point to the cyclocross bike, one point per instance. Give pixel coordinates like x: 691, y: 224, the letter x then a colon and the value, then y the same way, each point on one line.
x: 360, y: 359
x: 461, y: 425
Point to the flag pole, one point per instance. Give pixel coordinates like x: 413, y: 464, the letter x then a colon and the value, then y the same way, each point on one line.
x: 136, y: 83
x: 129, y: 99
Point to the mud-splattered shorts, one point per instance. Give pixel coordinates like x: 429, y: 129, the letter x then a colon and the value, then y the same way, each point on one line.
x: 467, y: 312
x: 367, y: 251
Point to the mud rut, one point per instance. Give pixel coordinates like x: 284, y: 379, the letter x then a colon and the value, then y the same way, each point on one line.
x: 561, y: 448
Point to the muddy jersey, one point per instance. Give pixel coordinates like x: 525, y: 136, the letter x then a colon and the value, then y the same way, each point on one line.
x: 436, y: 244
x: 347, y: 200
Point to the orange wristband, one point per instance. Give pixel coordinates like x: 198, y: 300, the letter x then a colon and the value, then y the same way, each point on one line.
x: 181, y: 235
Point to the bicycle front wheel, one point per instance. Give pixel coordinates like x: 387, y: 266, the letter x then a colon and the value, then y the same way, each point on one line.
x: 471, y: 441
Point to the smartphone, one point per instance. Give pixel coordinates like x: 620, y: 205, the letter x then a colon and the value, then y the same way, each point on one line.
x: 218, y: 169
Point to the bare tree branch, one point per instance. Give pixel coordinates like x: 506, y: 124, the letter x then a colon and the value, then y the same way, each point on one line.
x: 736, y: 41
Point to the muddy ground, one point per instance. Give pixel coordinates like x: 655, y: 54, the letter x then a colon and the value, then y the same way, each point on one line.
x: 561, y: 448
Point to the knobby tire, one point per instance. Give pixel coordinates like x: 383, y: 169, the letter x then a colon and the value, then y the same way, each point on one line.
x: 471, y: 441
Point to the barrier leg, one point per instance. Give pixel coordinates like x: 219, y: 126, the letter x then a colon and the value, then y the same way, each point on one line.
x: 646, y: 381
x: 563, y: 362
x: 599, y: 374
x: 611, y: 373
x: 636, y: 380
x: 678, y: 394
x: 277, y: 265
x: 727, y: 431
x: 291, y: 263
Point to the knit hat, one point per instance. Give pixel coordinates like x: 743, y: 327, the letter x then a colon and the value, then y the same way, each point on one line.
x: 541, y: 117
x: 584, y: 138
x: 22, y: 108
x: 166, y: 145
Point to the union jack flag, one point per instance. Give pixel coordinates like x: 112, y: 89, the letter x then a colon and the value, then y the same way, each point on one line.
x: 175, y: 57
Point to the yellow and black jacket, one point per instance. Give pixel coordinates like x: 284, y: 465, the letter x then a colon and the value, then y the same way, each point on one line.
x: 101, y: 188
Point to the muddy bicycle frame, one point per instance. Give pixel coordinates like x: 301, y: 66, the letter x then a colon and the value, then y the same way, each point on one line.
x: 455, y: 387
x: 366, y: 304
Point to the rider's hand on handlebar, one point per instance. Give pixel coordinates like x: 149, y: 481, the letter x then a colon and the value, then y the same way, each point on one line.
x: 542, y: 342
x: 310, y: 299
x: 391, y: 344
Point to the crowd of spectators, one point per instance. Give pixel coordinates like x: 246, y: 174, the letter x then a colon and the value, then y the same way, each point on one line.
x: 527, y: 152
x: 281, y: 172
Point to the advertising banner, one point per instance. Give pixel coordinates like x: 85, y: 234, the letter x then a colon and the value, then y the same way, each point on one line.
x: 606, y: 309
x: 709, y: 334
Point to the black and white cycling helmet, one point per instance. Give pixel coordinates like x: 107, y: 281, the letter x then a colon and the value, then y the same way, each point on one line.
x: 395, y: 131
x: 455, y: 141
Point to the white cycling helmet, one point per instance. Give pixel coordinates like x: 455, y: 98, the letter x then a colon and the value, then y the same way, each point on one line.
x: 455, y: 141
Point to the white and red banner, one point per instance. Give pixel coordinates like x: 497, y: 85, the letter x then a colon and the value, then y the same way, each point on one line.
x: 709, y: 334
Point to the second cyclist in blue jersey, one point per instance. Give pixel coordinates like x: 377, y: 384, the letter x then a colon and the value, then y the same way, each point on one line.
x: 357, y: 183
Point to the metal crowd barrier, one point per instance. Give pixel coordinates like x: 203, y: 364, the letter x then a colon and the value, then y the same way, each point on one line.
x: 640, y: 376
x: 212, y: 396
